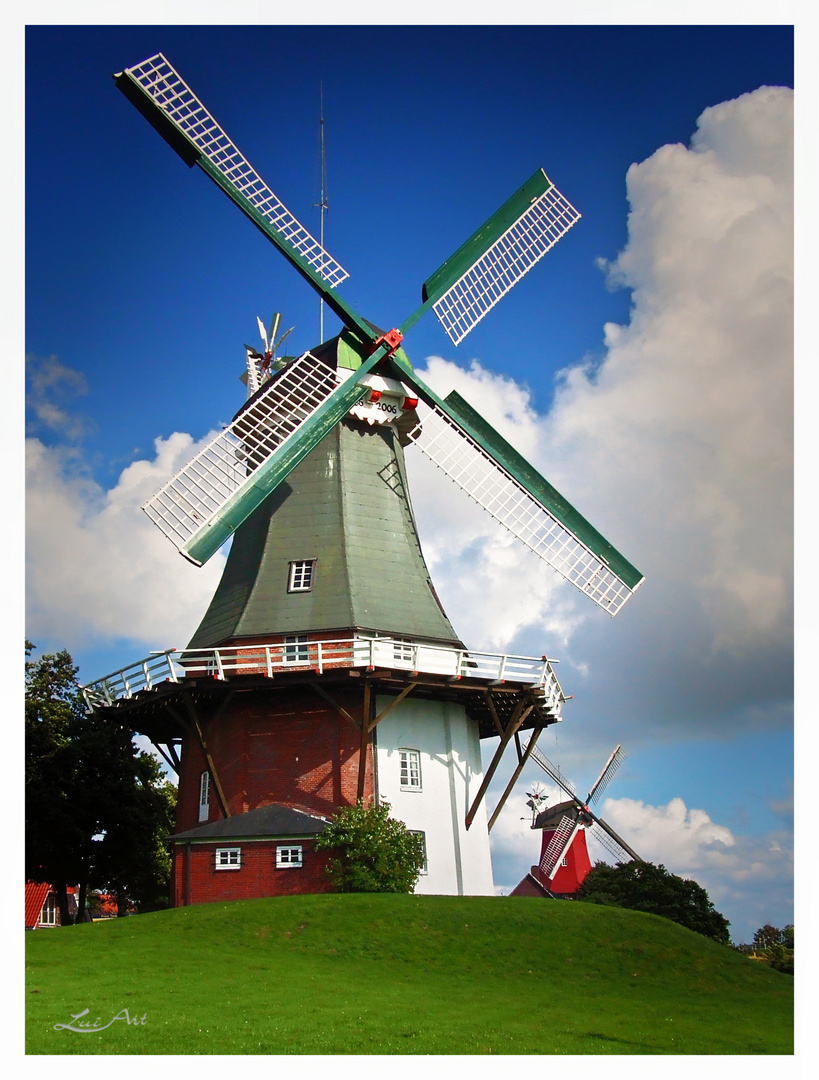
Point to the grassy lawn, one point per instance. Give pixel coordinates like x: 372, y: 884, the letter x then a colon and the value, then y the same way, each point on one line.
x: 379, y: 974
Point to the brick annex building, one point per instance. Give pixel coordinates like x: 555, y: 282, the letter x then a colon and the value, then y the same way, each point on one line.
x: 325, y: 670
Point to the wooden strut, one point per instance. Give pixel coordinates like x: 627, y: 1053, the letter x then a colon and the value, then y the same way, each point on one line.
x: 517, y: 718
x: 366, y: 709
x: 369, y: 725
x: 169, y: 754
x: 522, y: 759
x: 193, y: 726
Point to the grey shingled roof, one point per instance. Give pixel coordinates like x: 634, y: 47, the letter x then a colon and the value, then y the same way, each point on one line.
x: 273, y: 821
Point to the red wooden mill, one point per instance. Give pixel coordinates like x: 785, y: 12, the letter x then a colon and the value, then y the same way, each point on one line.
x: 564, y: 857
x: 325, y: 669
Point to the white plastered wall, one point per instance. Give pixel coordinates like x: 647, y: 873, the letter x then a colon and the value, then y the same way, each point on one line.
x: 458, y: 861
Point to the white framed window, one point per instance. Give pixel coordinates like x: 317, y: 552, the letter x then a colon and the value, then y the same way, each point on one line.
x: 564, y: 861
x: 204, y: 795
x: 402, y: 652
x: 300, y: 577
x: 48, y: 916
x: 296, y: 649
x: 288, y: 857
x: 228, y: 858
x: 422, y: 843
x: 410, y: 765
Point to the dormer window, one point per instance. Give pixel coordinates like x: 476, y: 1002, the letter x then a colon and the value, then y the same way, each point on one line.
x: 300, y: 578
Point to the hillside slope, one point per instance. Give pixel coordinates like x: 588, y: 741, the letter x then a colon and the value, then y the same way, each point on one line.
x: 380, y: 974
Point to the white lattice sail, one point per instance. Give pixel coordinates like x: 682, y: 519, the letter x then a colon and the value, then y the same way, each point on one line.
x: 173, y: 96
x: 195, y: 496
x: 502, y: 265
x: 485, y: 481
x: 561, y: 838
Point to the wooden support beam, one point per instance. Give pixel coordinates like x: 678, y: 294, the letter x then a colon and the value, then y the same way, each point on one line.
x: 522, y: 759
x: 366, y: 712
x: 493, y: 712
x: 193, y: 726
x: 395, y: 701
x: 322, y: 693
x: 517, y: 718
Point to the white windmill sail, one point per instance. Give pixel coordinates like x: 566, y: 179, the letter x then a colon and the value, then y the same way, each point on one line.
x: 500, y: 267
x: 189, y: 504
x: 478, y: 474
x: 171, y: 94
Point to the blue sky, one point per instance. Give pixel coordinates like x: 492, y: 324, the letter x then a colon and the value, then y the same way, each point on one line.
x: 144, y: 282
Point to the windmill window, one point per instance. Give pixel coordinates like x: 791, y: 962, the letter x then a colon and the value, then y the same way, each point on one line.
x: 48, y: 916
x: 228, y: 858
x: 288, y: 857
x: 422, y: 843
x: 410, y: 764
x: 564, y: 861
x: 296, y: 650
x: 301, y: 575
x: 204, y: 795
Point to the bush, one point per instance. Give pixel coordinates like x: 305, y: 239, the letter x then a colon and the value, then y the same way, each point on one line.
x: 372, y: 851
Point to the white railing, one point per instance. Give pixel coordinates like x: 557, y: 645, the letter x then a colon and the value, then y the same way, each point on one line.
x: 295, y: 654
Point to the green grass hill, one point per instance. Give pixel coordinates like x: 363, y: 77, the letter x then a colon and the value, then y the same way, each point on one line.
x: 387, y: 974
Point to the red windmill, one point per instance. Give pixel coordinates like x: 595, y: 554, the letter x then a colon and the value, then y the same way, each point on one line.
x: 564, y: 857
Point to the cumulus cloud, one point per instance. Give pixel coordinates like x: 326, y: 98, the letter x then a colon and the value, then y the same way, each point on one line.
x: 97, y: 568
x: 677, y: 446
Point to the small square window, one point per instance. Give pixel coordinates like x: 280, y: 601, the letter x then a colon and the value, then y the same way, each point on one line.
x: 402, y: 652
x: 204, y: 796
x: 288, y: 857
x: 410, y: 763
x: 300, y: 578
x: 422, y: 843
x: 564, y: 862
x: 296, y: 650
x: 228, y: 858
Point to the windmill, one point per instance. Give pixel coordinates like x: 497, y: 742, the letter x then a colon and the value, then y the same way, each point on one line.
x: 325, y: 593
x: 564, y: 860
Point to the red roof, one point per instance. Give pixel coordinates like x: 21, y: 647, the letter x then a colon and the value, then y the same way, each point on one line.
x: 36, y: 894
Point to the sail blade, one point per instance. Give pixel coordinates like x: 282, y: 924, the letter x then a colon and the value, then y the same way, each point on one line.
x: 551, y: 770
x: 604, y: 779
x: 495, y: 258
x: 224, y: 483
x: 602, y: 829
x: 492, y: 473
x: 559, y: 844
x: 184, y: 119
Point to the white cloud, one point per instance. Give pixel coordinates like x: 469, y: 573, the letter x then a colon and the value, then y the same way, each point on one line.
x: 97, y: 567
x: 678, y: 446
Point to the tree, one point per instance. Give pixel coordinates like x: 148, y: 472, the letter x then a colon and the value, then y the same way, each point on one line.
x: 777, y: 946
x: 373, y: 852
x: 97, y: 810
x: 642, y: 886
x: 767, y: 935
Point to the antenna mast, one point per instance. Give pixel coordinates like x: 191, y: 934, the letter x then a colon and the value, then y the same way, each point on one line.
x: 322, y: 204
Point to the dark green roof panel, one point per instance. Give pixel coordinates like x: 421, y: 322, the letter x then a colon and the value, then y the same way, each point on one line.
x: 346, y: 506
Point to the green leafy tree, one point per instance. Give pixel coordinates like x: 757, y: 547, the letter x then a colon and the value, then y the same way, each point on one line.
x: 642, y: 886
x: 97, y: 809
x: 766, y: 936
x: 777, y: 946
x: 371, y: 852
